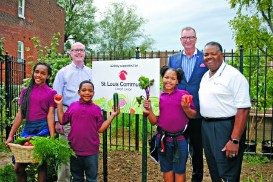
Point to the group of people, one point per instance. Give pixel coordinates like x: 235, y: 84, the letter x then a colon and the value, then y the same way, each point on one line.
x: 77, y: 118
x: 213, y: 122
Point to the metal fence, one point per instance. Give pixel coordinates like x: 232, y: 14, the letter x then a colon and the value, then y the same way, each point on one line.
x: 130, y: 132
x: 12, y: 74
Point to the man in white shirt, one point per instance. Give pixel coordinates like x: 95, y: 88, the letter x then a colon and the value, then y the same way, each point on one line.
x: 224, y: 106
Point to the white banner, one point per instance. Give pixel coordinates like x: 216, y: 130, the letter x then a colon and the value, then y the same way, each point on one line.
x: 121, y: 77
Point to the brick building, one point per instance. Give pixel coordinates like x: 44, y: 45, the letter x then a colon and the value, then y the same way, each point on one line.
x: 21, y: 20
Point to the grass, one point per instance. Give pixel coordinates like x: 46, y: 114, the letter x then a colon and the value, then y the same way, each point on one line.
x: 256, y: 159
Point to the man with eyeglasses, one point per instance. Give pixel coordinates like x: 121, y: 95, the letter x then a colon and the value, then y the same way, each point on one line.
x: 192, y: 62
x: 224, y: 106
x: 66, y: 83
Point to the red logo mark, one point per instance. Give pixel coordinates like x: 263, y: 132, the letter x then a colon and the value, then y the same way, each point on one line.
x: 122, y: 75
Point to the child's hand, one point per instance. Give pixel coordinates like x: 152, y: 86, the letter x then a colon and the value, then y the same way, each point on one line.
x: 59, y: 128
x: 58, y: 99
x: 9, y: 140
x: 115, y: 113
x: 147, y: 106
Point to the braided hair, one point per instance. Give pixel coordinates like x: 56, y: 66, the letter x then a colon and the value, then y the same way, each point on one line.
x: 26, y: 96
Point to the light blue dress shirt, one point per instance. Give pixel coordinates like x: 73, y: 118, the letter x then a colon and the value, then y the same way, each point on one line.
x: 188, y: 64
x: 67, y: 82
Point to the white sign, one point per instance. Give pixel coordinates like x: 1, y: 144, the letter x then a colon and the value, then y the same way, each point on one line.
x: 121, y: 77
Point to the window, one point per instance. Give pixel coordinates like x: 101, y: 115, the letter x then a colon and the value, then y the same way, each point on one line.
x: 20, y: 57
x: 21, y: 8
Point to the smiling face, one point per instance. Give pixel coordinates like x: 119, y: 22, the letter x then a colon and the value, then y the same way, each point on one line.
x: 86, y: 92
x: 169, y: 80
x: 213, y: 58
x: 188, y: 39
x: 40, y: 74
x: 77, y: 53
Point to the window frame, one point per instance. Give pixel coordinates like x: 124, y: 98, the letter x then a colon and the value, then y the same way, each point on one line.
x: 20, y: 51
x: 21, y: 9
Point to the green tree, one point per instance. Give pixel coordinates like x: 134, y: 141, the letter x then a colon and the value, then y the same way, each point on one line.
x: 253, y: 29
x: 79, y: 21
x: 253, y: 24
x: 120, y: 29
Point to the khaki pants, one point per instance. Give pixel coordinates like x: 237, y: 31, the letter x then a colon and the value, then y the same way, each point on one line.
x: 64, y: 174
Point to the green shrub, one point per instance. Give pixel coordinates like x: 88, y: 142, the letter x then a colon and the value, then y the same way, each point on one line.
x: 7, y: 173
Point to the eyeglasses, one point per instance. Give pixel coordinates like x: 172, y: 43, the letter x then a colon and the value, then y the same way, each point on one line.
x: 78, y: 50
x: 188, y: 38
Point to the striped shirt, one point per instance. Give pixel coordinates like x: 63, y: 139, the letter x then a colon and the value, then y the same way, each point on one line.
x: 188, y: 64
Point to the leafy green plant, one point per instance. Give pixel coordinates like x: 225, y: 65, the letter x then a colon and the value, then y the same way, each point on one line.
x: 53, y: 151
x: 145, y: 84
x: 7, y: 173
x: 50, y: 55
x: 3, y: 147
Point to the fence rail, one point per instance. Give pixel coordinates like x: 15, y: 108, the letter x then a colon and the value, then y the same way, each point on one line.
x: 130, y: 132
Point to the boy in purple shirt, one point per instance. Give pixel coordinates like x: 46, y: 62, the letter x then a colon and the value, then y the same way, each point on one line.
x: 86, y: 122
x: 37, y: 114
x: 176, y: 107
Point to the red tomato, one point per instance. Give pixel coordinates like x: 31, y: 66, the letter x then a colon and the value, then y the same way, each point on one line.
x: 58, y: 97
x: 190, y: 98
x: 26, y: 144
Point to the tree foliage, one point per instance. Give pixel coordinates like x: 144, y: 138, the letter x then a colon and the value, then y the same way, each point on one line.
x: 120, y: 29
x: 253, y: 29
x: 253, y: 24
x: 80, y: 25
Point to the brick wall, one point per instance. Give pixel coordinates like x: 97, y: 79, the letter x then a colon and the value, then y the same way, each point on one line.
x: 43, y: 18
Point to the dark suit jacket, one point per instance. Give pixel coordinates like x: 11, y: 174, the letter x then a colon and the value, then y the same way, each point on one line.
x: 192, y: 86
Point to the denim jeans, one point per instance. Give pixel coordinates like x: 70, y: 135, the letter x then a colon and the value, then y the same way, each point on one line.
x: 87, y: 165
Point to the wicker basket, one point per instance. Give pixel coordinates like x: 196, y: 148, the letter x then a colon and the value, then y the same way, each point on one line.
x: 22, y: 154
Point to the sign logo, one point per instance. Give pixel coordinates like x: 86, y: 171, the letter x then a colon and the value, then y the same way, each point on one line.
x: 122, y: 75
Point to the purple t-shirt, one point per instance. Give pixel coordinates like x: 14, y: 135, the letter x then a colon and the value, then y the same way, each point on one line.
x: 41, y: 98
x: 85, y: 120
x: 172, y: 118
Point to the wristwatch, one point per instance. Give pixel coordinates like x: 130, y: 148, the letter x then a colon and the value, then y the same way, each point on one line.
x: 234, y: 141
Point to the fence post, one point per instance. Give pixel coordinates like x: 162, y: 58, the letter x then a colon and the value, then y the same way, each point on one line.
x: 7, y: 91
x: 104, y: 153
x: 241, y: 58
x: 137, y: 116
x: 144, y: 149
x: 144, y: 139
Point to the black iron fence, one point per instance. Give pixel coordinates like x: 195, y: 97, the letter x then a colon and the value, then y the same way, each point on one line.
x: 12, y: 74
x: 130, y: 132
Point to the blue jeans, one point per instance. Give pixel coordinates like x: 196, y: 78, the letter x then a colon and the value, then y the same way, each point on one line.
x: 87, y: 165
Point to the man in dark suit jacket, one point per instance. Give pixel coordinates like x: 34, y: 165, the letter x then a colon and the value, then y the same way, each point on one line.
x: 191, y: 60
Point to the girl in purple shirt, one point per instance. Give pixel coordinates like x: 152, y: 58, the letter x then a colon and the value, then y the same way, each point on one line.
x: 176, y: 107
x: 36, y: 113
x: 86, y: 122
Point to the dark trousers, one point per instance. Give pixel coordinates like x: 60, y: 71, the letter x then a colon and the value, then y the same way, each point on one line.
x: 194, y: 138
x: 215, y: 136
